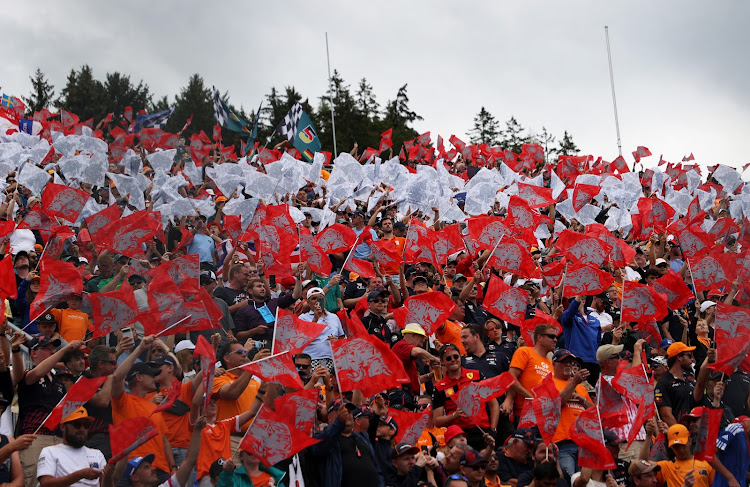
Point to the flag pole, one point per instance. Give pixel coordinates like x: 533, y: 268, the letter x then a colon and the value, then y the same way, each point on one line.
x: 173, y: 325
x: 656, y: 409
x: 333, y: 117
x: 614, y: 99
x: 53, y: 409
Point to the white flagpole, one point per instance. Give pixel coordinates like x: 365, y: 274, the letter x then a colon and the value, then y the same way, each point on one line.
x: 173, y: 325
x: 612, y: 84
x: 333, y: 118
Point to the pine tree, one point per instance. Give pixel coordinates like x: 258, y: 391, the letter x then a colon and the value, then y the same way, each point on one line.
x: 367, y: 104
x: 119, y: 93
x: 486, y: 129
x: 41, y: 93
x: 194, y: 99
x: 546, y: 140
x: 513, y: 137
x: 160, y: 105
x: 398, y: 116
x: 567, y: 147
x: 83, y: 95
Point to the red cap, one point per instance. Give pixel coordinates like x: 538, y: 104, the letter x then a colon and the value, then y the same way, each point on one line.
x: 452, y: 432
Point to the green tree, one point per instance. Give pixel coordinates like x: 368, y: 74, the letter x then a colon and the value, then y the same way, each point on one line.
x: 119, y: 93
x: 399, y: 116
x: 366, y: 102
x: 41, y: 94
x: 486, y: 128
x: 159, y: 105
x: 194, y: 100
x: 83, y: 95
x: 566, y: 146
x: 351, y: 123
x: 547, y: 140
x: 513, y: 136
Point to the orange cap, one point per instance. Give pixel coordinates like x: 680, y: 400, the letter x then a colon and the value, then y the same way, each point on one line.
x: 677, y: 435
x: 677, y: 348
x: 220, y: 199
x: 79, y: 413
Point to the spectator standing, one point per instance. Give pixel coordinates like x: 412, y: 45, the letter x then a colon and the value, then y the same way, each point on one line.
x: 411, y: 349
x: 529, y: 366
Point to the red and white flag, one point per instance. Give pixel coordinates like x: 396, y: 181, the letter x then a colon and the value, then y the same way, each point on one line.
x: 59, y: 281
x: 633, y: 383
x: 113, y: 310
x: 586, y: 280
x: 126, y: 235
x: 621, y: 254
x: 363, y: 268
x: 473, y: 395
x: 504, y: 301
x: 272, y: 439
x: 448, y: 241
x: 540, y: 318
x: 185, y: 271
x: 277, y: 368
x: 673, y: 286
x: 430, y: 310
x: 655, y: 213
x: 586, y: 432
x: 63, y: 201
x: 582, y: 194
x: 301, y: 405
x: 694, y: 242
x: 315, y: 257
x: 643, y: 303
x: 79, y: 394
x: 553, y: 273
x: 292, y: 334
x: 612, y: 408
x: 205, y: 353
x: 410, y: 425
x: 8, y: 286
x: 170, y: 398
x: 486, y: 231
x: 521, y: 216
x: 717, y: 269
x: 536, y: 196
x: 101, y: 219
x: 127, y: 436
x: 512, y: 256
x: 368, y: 364
x: 547, y: 406
x: 336, y: 238
x: 419, y: 244
x: 732, y: 334
x: 577, y: 247
x: 708, y: 432
x: 386, y: 141
x: 386, y: 253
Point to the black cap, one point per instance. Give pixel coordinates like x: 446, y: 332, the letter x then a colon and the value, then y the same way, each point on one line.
x: 390, y: 421
x: 611, y: 438
x: 526, y: 435
x: 164, y: 359
x: 337, y: 404
x: 142, y: 368
x: 399, y: 226
x: 376, y: 294
x: 47, y: 318
x: 562, y: 355
x: 471, y: 458
x: 420, y: 279
x: 400, y: 399
x: 362, y: 411
x: 43, y: 341
x: 404, y: 448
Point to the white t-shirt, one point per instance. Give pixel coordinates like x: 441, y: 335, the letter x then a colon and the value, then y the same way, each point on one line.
x: 592, y: 483
x: 22, y: 239
x: 61, y: 460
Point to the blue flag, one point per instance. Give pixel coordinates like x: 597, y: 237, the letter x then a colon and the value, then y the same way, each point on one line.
x: 26, y: 126
x: 156, y: 120
x: 298, y: 129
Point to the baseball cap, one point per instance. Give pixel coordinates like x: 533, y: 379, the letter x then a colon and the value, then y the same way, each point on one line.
x: 639, y: 467
x: 660, y: 261
x: 43, y: 341
x: 694, y: 413
x: 415, y: 328
x: 79, y: 413
x: 451, y: 432
x: 706, y: 304
x: 38, y: 248
x: 659, y: 360
x: 287, y: 281
x: 142, y: 368
x: 220, y: 199
x: 606, y: 351
x: 611, y: 438
x: 664, y: 344
x: 376, y: 294
x: 164, y: 359
x: 47, y: 318
x: 460, y: 277
x: 677, y: 435
x: 337, y: 404
x: 310, y: 281
x: 184, y: 345
x: 526, y: 435
x: 390, y: 421
x: 361, y: 411
x: 207, y: 276
x: 315, y: 290
x: 471, y: 458
x: 136, y: 462
x: 403, y: 449
x: 420, y: 279
x: 562, y: 355
x: 677, y: 348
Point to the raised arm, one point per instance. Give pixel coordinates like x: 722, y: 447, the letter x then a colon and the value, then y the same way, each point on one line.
x: 46, y: 366
x: 118, y: 378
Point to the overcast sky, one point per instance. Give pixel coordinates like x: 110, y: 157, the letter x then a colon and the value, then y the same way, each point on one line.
x: 681, y: 68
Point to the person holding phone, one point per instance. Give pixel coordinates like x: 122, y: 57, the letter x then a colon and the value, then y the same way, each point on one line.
x: 319, y: 350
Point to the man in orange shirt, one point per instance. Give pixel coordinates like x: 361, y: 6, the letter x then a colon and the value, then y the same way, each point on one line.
x: 72, y: 322
x: 386, y: 224
x: 529, y: 366
x: 433, y: 437
x: 450, y: 330
x: 574, y: 399
x: 141, y: 380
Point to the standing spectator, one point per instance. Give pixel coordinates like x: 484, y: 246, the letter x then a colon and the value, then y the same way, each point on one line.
x: 72, y: 322
x: 676, y: 394
x: 208, y: 282
x: 545, y: 458
x: 203, y: 244
x: 529, y: 366
x: 583, y: 334
x: 472, y: 467
x: 251, y: 472
x: 320, y: 348
x: 411, y: 349
x: 362, y: 250
x: 673, y: 472
x: 256, y: 319
x: 71, y: 463
x: 235, y: 294
x: 477, y: 357
x: 433, y: 437
x: 376, y: 320
x: 410, y: 466
x: 732, y: 458
x: 102, y: 363
x: 612, y: 442
x: 495, y: 342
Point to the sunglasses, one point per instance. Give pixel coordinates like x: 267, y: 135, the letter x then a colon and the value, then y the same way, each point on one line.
x: 240, y: 351
x: 686, y: 354
x: 252, y: 271
x: 302, y: 366
x: 421, y: 407
x: 549, y: 335
x: 477, y: 467
x: 451, y: 358
x: 379, y: 301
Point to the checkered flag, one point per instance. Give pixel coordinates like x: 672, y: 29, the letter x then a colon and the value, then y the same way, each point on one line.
x: 155, y: 120
x: 288, y: 126
x: 220, y: 113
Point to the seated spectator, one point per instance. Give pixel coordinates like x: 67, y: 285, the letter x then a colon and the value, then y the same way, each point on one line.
x: 547, y: 455
x: 515, y: 458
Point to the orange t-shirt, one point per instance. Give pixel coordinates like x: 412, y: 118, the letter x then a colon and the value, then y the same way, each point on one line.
x: 226, y: 409
x: 179, y: 428
x: 534, y: 368
x: 673, y: 473
x: 215, y: 444
x: 451, y: 333
x: 426, y: 440
x: 72, y: 324
x: 569, y: 411
x: 393, y: 270
x: 262, y: 480
x: 131, y: 406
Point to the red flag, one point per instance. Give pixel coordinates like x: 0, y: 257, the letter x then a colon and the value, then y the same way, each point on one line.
x: 717, y: 269
x: 673, y: 286
x: 360, y: 267
x: 612, y: 409
x: 553, y: 273
x: 586, y: 432
x: 336, y: 238
x: 59, y: 281
x: 386, y: 253
x: 633, y: 383
x: 128, y: 113
x: 547, y: 406
x: 694, y: 213
x: 659, y: 448
x: 655, y: 213
x: 448, y: 241
x: 386, y: 140
x: 430, y: 310
x: 113, y: 310
x: 301, y: 405
x: 37, y: 219
x: 410, y: 425
x: 63, y: 201
x: 645, y: 412
x: 170, y: 398
x: 705, y: 443
x: 473, y: 395
x: 79, y: 394
x: 419, y: 244
x: 621, y: 254
x: 126, y: 235
x: 528, y: 417
x: 205, y: 353
x: 732, y: 336
x: 292, y: 334
x: 126, y: 437
x: 521, y: 216
x: 187, y: 123
x: 504, y: 301
x: 486, y: 231
x: 642, y: 303
x: 272, y: 440
x: 535, y: 196
x: 641, y: 151
x: 578, y: 247
x: 316, y: 259
x: 216, y: 136
x: 512, y: 256
x: 620, y: 165
x: 275, y: 245
x: 185, y: 272
x: 8, y: 286
x: 101, y: 219
x: 277, y: 368
x: 68, y: 119
x: 694, y: 242
x: 586, y: 280
x: 582, y: 194
x: 540, y: 318
x: 368, y: 364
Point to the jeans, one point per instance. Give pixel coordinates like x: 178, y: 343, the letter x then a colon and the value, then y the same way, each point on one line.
x: 568, y: 456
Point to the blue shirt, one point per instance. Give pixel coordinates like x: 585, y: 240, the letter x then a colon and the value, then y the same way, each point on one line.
x: 320, y: 347
x: 204, y: 246
x: 583, y: 334
x: 731, y: 448
x: 362, y: 251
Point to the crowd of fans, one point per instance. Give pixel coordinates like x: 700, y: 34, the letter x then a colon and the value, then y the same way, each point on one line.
x: 199, y: 436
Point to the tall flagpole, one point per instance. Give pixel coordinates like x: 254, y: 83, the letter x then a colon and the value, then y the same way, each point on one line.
x: 612, y: 84
x: 333, y: 118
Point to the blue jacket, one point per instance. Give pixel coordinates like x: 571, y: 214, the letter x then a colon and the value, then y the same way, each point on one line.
x: 329, y: 449
x: 583, y: 334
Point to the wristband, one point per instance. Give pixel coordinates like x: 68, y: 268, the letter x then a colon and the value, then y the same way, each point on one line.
x: 15, y: 350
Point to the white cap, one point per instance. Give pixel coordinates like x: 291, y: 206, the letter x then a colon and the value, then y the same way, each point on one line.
x: 660, y: 261
x: 314, y: 290
x: 705, y: 305
x: 184, y: 345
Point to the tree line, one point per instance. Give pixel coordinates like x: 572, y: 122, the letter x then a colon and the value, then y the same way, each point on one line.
x: 359, y: 116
